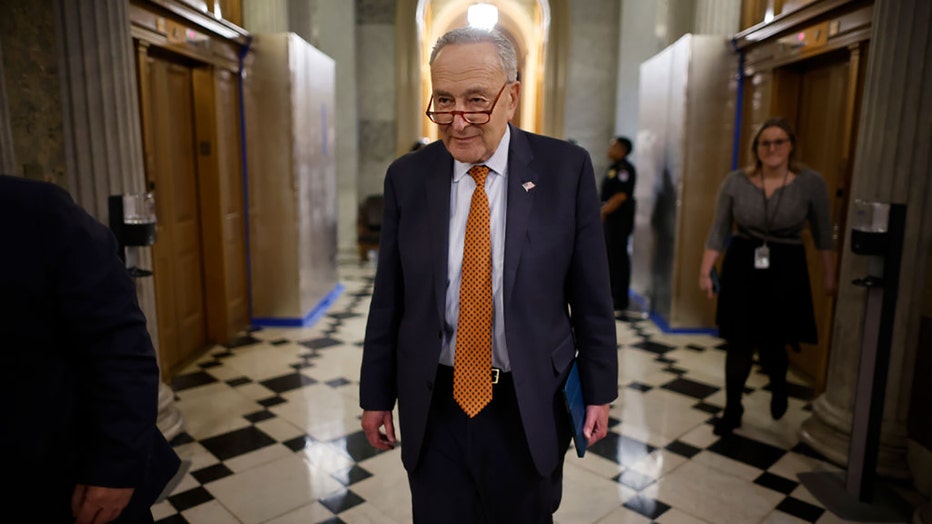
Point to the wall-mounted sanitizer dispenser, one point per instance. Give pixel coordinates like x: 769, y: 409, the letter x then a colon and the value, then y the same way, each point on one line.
x: 133, y: 222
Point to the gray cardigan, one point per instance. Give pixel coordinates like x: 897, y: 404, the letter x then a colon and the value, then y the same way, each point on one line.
x: 741, y: 203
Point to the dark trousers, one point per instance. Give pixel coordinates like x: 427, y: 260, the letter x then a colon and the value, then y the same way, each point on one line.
x: 479, y: 470
x: 739, y: 358
x: 619, y: 267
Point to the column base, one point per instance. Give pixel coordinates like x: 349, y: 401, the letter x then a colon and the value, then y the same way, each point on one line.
x: 828, y: 431
x: 170, y: 421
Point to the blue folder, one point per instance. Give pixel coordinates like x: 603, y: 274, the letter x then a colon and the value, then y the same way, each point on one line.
x: 572, y: 394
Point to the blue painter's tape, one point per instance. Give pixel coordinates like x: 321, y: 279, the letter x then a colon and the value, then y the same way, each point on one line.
x: 308, y: 320
x: 662, y: 324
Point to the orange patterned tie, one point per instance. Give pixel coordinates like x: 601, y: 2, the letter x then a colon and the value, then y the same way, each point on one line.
x: 472, y: 365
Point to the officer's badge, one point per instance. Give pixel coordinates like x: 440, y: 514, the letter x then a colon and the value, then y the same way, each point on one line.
x: 612, y: 173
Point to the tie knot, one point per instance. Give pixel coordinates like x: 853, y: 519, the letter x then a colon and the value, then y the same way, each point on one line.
x: 479, y: 173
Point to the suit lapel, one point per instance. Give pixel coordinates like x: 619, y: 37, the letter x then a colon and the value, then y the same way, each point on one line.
x: 520, y: 202
x: 439, y: 180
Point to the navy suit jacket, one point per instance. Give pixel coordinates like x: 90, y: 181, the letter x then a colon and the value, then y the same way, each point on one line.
x: 557, y: 297
x: 77, y: 367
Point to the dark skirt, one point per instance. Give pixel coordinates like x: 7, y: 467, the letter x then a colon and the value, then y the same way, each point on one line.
x: 765, y: 306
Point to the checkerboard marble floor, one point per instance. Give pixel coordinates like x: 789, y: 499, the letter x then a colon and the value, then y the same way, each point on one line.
x: 272, y: 436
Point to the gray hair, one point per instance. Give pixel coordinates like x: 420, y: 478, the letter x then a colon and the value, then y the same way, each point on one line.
x: 475, y: 35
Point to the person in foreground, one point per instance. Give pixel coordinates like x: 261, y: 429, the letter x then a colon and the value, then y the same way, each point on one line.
x: 618, y: 208
x: 78, y: 367
x: 765, y: 300
x: 492, y: 274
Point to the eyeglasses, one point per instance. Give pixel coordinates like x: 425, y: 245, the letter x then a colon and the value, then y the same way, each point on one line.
x: 476, y: 118
x: 780, y: 142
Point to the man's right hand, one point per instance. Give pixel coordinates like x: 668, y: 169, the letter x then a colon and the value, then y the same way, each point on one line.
x: 372, y: 422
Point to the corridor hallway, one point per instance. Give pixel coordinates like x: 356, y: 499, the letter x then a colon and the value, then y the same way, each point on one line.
x: 272, y: 435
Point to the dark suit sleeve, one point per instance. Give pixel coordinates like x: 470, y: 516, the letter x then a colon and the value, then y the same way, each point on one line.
x: 377, y: 382
x: 117, y: 374
x: 590, y: 297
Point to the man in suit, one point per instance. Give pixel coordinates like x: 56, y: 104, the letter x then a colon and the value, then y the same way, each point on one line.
x: 545, y: 284
x: 78, y: 368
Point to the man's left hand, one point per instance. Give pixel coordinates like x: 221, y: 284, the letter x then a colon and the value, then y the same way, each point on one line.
x: 596, y: 426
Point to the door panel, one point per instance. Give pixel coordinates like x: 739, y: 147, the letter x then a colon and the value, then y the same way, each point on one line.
x: 177, y: 259
x: 820, y: 122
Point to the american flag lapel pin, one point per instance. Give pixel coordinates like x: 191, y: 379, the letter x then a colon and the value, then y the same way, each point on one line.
x: 528, y: 186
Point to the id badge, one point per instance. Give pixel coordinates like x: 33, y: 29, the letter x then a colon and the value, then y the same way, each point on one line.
x: 762, y: 257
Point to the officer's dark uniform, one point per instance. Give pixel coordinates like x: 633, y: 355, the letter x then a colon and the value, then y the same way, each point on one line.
x: 619, y: 178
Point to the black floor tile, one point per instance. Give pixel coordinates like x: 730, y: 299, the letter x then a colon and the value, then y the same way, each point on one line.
x: 344, y: 315
x: 181, y: 438
x: 647, y: 506
x: 664, y: 360
x: 801, y: 510
x: 695, y: 347
x: 776, y: 483
x: 643, y: 388
x: 173, y: 519
x: 690, y: 388
x: 351, y: 475
x: 271, y: 401
x: 332, y: 520
x: 208, y: 365
x: 683, y: 449
x: 239, y: 381
x: 211, y: 473
x: 356, y: 445
x: 708, y: 408
x: 634, y: 480
x: 237, y: 442
x: 675, y: 370
x: 192, y: 380
x: 337, y: 382
x: 279, y: 342
x: 259, y: 416
x: 288, y: 382
x: 748, y: 451
x: 653, y: 347
x: 246, y: 340
x: 612, y: 422
x: 304, y: 364
x: 299, y: 443
x: 342, y: 501
x: 188, y: 499
x: 621, y: 450
x: 804, y: 449
x: 320, y: 343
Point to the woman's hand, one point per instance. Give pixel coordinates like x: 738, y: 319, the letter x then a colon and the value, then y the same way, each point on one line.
x: 705, y: 284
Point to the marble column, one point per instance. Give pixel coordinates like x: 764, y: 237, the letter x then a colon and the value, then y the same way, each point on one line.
x: 7, y: 153
x: 717, y: 17
x: 892, y: 164
x: 103, y: 142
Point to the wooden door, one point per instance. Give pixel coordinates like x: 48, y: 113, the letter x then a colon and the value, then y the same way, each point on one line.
x: 171, y: 160
x: 822, y: 129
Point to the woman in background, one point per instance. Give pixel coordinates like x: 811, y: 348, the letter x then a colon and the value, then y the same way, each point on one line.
x: 765, y: 302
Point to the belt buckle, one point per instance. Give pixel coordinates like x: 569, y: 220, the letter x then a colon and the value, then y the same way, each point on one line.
x: 495, y: 375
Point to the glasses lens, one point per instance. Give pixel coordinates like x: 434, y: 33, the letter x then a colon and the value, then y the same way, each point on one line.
x: 441, y: 118
x: 476, y: 118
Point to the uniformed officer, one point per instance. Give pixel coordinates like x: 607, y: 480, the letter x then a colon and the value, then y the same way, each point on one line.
x: 618, y: 217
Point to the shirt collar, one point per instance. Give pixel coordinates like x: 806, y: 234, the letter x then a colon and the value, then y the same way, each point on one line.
x: 497, y: 163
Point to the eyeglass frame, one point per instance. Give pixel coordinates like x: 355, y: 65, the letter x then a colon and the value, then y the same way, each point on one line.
x: 487, y: 112
x: 780, y: 142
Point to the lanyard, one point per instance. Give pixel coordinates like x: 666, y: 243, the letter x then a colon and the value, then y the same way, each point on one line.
x: 768, y: 219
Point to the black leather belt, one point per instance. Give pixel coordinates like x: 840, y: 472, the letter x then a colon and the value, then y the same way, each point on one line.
x: 498, y: 376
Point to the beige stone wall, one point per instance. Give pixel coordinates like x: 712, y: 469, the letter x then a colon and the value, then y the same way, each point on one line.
x: 33, y: 88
